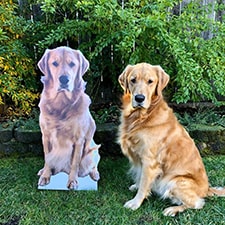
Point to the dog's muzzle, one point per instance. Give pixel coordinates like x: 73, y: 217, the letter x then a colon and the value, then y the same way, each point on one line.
x: 64, y: 80
x: 139, y: 100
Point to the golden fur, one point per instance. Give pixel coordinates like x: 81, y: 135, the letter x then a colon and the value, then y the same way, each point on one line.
x: 163, y: 156
x: 66, y: 123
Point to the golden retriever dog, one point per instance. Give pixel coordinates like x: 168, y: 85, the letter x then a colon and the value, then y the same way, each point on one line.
x: 66, y: 123
x: 163, y: 156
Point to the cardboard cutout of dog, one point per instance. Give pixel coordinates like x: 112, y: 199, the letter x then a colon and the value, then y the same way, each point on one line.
x: 66, y: 123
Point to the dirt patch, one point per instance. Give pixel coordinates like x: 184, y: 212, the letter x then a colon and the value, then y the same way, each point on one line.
x: 12, y: 221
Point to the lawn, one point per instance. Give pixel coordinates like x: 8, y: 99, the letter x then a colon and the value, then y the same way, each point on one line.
x: 22, y: 203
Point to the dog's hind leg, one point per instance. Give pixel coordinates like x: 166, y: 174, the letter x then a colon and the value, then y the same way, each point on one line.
x: 187, y: 194
x: 94, y: 174
x: 173, y: 210
x: 89, y: 162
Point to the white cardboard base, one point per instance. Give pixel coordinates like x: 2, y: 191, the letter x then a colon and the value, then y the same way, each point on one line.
x: 59, y: 182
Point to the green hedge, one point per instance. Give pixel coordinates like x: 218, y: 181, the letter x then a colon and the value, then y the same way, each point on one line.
x: 18, y: 86
x: 112, y: 35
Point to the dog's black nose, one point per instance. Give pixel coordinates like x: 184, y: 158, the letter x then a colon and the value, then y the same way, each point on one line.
x: 139, y: 98
x: 63, y: 79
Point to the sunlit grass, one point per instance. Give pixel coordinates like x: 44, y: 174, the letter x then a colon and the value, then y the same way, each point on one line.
x: 22, y: 203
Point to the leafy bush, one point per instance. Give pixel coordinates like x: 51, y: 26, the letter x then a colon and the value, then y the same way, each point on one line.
x: 113, y: 34
x: 31, y: 123
x: 17, y: 82
x: 208, y: 117
x: 146, y: 31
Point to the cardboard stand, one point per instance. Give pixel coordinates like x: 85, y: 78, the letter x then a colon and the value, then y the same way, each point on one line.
x: 64, y: 111
x: 59, y: 181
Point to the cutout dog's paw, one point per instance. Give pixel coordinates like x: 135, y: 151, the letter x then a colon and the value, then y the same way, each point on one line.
x: 43, y: 181
x: 95, y: 175
x: 72, y: 185
x: 40, y: 172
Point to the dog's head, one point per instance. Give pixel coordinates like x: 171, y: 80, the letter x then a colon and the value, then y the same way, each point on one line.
x: 63, y: 68
x: 144, y: 83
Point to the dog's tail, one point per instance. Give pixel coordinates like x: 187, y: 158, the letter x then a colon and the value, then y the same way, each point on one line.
x: 218, y: 191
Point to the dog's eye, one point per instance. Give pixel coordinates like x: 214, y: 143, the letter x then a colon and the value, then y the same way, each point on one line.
x: 55, y: 64
x: 71, y: 64
x: 133, y: 80
x: 150, y: 81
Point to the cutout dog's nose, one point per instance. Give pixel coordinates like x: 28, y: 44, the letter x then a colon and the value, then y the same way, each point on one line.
x: 63, y: 79
x: 139, y: 98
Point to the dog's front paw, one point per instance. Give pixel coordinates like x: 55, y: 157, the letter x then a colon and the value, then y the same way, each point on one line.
x: 72, y: 184
x: 43, y: 181
x: 132, y: 204
x: 40, y: 172
x: 44, y: 177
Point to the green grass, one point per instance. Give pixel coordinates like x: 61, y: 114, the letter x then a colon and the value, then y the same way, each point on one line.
x: 22, y: 203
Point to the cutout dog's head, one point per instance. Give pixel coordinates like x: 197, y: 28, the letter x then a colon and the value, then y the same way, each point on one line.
x: 63, y: 68
x: 144, y: 83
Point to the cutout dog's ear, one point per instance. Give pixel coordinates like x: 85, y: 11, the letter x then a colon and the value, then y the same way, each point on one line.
x: 163, y: 80
x: 123, y: 77
x: 84, y: 63
x: 43, y: 62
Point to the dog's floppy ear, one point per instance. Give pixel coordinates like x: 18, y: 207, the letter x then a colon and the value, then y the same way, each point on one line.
x: 43, y: 62
x: 163, y: 80
x: 123, y: 77
x: 84, y: 63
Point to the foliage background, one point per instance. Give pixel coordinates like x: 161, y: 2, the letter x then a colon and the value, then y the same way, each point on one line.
x: 17, y: 80
x: 186, y: 38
